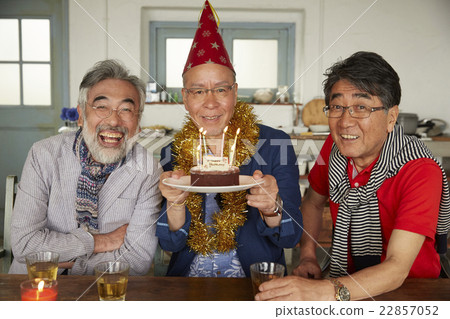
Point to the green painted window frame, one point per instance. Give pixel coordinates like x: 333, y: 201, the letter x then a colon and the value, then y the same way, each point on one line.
x: 20, y: 62
x: 283, y: 32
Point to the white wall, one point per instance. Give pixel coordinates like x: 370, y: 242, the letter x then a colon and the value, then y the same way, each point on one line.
x: 412, y: 35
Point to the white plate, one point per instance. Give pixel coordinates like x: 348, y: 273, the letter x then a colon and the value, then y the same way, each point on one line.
x: 184, y: 183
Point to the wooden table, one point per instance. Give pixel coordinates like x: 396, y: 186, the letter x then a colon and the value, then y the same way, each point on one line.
x: 212, y: 289
x: 419, y: 289
x: 142, y: 288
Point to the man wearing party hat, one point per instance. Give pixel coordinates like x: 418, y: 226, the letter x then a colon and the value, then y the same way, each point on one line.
x: 222, y: 234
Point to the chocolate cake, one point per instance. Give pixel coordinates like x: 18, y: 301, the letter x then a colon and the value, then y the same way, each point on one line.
x: 201, y: 177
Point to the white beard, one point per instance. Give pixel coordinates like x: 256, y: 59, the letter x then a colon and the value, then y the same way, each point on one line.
x: 106, y: 155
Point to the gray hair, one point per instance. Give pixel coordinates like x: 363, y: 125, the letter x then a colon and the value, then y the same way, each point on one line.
x: 109, y: 69
x: 368, y: 72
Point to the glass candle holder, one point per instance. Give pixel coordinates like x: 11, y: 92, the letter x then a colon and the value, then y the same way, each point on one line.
x: 39, y: 289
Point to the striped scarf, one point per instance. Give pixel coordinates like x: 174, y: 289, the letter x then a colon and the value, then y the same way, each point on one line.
x: 93, y: 176
x: 358, y: 207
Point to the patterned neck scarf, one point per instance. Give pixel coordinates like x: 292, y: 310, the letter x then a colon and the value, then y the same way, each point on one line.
x: 358, y: 207
x: 93, y: 176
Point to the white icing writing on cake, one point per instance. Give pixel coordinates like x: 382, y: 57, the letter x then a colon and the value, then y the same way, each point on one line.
x: 215, y: 163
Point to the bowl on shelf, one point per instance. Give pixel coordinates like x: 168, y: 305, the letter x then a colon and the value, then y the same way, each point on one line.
x: 319, y: 128
x: 300, y: 129
x: 263, y: 96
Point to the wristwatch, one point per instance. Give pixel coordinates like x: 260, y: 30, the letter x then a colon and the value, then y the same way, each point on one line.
x: 278, y: 207
x: 342, y: 293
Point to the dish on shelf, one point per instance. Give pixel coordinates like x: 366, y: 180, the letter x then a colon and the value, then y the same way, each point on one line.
x: 300, y: 129
x: 319, y: 128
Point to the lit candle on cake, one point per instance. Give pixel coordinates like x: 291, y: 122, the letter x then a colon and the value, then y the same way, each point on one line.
x: 233, y: 148
x: 204, y: 142
x: 223, y: 140
x: 198, y: 151
x: 200, y: 143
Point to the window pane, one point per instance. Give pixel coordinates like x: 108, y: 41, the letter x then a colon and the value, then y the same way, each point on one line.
x: 36, y: 84
x: 36, y: 40
x: 10, y: 84
x: 256, y: 63
x: 9, y: 40
x: 177, y: 51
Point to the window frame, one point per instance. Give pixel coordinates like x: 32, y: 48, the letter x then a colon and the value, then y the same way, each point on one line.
x: 283, y: 32
x: 20, y: 62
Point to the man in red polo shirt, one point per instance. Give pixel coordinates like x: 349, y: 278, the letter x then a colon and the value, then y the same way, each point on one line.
x: 388, y: 195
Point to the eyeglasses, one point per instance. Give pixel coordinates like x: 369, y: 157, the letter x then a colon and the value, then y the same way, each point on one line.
x: 124, y: 112
x: 219, y: 92
x: 356, y: 111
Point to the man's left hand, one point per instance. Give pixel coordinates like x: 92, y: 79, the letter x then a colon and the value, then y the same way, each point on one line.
x: 263, y: 197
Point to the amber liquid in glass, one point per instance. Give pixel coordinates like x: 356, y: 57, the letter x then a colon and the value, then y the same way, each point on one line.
x: 262, y: 278
x: 44, y: 269
x: 112, y: 287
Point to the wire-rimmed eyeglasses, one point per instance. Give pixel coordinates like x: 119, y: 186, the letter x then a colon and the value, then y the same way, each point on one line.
x: 124, y: 112
x: 356, y: 111
x: 219, y: 92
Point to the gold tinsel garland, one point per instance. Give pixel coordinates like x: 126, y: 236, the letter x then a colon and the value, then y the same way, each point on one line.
x: 221, y: 237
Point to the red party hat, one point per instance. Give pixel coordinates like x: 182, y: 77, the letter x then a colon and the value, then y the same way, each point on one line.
x: 208, y: 46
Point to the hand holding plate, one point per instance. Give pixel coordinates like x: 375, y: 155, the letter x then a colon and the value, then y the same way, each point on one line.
x: 172, y: 194
x: 264, y: 195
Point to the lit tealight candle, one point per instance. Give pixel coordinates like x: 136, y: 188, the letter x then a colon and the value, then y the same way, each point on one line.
x: 39, y: 290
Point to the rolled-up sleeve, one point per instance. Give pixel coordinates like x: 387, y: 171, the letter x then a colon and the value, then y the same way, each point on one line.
x: 172, y: 240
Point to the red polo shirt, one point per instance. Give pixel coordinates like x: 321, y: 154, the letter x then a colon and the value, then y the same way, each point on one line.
x: 408, y: 201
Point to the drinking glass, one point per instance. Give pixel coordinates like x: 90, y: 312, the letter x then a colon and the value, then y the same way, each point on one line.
x: 43, y: 264
x: 112, y: 280
x: 265, y: 271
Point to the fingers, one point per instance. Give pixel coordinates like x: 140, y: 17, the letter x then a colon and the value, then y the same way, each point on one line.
x: 274, y: 295
x: 307, y: 273
x: 170, y: 174
x: 308, y: 269
x: 262, y: 202
x: 278, y: 289
x: 268, y: 186
x: 178, y: 173
x: 172, y: 194
x: 257, y: 174
x: 298, y: 271
x: 263, y: 196
x: 274, y: 283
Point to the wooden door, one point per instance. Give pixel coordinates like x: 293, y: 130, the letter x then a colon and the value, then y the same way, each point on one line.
x: 33, y: 79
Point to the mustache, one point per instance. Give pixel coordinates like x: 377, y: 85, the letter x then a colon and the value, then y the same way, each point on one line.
x: 120, y: 129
